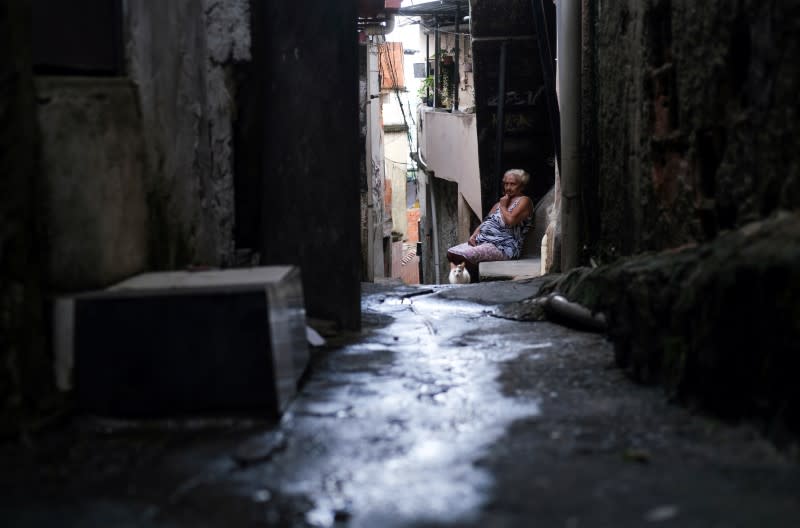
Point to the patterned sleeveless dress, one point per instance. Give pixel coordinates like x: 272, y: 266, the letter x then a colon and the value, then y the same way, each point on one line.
x: 508, y: 239
x: 495, y: 240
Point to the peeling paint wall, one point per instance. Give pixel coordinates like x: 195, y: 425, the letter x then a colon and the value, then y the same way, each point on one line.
x: 229, y: 42
x: 697, y: 118
x: 134, y: 172
x: 181, y: 56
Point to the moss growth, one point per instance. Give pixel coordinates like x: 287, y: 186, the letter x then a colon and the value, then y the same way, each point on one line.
x: 715, y: 324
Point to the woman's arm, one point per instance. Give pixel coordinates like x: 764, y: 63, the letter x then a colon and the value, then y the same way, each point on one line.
x: 520, y: 212
x: 473, y: 239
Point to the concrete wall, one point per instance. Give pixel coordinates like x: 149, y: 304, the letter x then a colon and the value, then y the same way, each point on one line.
x: 527, y: 138
x: 187, y: 99
x: 25, y: 379
x: 696, y: 119
x: 228, y: 51
x: 440, y: 204
x: 446, y: 198
x: 395, y: 146
x: 449, y: 147
x: 168, y: 137
x: 134, y: 172
x: 93, y: 166
x: 376, y: 215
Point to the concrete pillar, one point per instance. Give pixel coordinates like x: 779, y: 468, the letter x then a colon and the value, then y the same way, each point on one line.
x: 307, y: 62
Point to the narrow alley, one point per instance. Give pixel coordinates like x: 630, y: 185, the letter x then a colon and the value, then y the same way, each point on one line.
x: 229, y: 236
x: 438, y: 413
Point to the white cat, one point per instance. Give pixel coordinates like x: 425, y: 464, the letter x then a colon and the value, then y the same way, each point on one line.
x: 459, y: 275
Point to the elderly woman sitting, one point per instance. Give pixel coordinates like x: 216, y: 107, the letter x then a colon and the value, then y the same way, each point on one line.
x: 500, y: 235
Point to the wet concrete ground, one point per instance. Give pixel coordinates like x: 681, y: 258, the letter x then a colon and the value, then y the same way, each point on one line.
x: 437, y: 414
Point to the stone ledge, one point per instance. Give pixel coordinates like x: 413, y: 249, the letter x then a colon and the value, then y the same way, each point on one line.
x: 718, y: 324
x: 525, y: 268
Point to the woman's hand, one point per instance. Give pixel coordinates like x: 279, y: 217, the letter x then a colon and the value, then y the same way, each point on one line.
x: 522, y: 211
x: 473, y: 240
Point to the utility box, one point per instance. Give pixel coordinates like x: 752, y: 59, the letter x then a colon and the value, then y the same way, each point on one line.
x: 185, y: 344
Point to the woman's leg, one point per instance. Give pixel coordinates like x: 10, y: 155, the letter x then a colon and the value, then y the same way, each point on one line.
x: 454, y: 258
x: 460, y: 253
x: 482, y: 253
x: 473, y: 271
x: 471, y: 256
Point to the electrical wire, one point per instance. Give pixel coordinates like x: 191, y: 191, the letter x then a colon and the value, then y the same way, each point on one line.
x: 395, y: 87
x: 429, y: 28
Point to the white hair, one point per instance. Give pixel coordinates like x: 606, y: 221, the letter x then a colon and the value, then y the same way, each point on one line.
x: 521, y: 176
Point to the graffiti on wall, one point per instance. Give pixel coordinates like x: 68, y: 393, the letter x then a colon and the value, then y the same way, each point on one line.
x: 513, y: 98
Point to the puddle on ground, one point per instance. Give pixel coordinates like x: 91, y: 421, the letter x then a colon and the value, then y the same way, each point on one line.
x: 406, y: 451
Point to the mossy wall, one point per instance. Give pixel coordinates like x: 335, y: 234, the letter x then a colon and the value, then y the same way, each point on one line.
x: 690, y: 135
x: 717, y: 324
x: 694, y: 119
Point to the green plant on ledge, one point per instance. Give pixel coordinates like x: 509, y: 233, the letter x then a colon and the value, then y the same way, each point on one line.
x: 426, y: 89
x: 444, y: 99
x: 443, y: 96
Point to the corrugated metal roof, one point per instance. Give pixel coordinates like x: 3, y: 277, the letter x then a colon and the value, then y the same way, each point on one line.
x: 444, y: 8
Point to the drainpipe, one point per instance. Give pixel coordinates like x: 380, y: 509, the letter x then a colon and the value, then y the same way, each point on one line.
x: 501, y: 117
x: 569, y: 69
x: 435, y: 230
x: 458, y: 49
x: 548, y: 73
x: 427, y: 66
x: 430, y: 199
x: 436, y: 50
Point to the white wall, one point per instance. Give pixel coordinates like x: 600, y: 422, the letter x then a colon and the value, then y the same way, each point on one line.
x: 450, y: 149
x: 375, y: 170
x: 395, y: 146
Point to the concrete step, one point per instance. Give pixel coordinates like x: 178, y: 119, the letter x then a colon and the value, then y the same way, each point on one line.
x: 183, y: 343
x: 524, y: 268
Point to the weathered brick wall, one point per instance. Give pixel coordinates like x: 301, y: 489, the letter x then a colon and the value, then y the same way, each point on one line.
x: 696, y: 118
x: 691, y: 128
x: 24, y: 376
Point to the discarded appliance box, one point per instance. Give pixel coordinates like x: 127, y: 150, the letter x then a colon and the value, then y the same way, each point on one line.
x: 227, y: 342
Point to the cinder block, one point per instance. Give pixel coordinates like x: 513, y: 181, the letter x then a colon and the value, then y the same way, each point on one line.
x: 170, y: 344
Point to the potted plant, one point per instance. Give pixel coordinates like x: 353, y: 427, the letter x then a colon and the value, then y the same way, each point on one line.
x: 425, y: 91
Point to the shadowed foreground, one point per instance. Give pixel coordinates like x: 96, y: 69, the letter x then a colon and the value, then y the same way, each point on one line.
x: 437, y: 414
